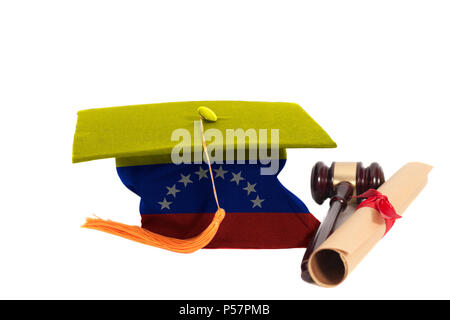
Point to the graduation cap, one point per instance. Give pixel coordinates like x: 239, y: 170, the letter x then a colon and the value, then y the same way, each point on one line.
x: 171, y: 156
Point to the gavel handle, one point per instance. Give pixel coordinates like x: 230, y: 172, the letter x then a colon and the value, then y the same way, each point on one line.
x: 338, y: 203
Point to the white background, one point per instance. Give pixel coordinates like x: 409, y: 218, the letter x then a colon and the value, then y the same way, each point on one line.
x: 374, y: 74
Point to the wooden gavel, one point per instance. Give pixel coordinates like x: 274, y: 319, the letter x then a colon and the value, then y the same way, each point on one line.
x: 339, y: 182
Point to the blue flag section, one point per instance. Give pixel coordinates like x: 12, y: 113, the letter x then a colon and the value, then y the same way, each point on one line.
x: 186, y: 188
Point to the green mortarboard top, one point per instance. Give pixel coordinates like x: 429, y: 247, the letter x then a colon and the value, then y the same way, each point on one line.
x: 145, y: 130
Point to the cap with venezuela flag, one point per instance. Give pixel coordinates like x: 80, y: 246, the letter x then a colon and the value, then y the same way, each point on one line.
x: 158, y: 152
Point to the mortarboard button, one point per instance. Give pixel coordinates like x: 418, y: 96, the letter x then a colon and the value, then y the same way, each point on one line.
x: 207, y: 114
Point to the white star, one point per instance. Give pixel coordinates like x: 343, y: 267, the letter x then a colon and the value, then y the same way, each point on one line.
x: 257, y: 202
x: 185, y: 179
x: 220, y: 172
x: 173, y: 191
x: 201, y: 173
x: 165, y: 204
x: 250, y: 188
x: 237, y: 177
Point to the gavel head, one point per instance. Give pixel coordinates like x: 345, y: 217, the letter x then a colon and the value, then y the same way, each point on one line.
x: 325, y: 179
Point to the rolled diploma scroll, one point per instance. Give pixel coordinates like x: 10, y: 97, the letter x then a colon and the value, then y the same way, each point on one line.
x: 330, y: 264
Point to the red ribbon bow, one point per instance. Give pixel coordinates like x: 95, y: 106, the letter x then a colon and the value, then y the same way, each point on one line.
x: 379, y: 202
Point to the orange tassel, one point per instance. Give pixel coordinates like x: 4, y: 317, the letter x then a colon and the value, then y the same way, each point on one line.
x: 141, y: 235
